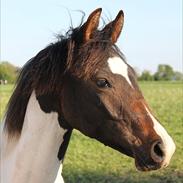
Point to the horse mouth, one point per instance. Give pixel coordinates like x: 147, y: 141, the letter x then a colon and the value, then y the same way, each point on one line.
x: 144, y: 167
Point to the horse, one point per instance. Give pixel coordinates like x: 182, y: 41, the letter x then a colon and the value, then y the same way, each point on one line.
x: 81, y: 81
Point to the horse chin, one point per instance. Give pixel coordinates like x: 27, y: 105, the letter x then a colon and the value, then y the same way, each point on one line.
x: 144, y: 167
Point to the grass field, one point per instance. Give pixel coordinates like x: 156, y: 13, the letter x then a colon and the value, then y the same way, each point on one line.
x: 88, y: 161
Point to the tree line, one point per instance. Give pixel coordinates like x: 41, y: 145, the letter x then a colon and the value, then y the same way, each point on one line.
x: 9, y: 73
x: 164, y: 73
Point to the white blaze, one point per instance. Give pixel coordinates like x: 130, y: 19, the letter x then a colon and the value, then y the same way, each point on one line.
x: 118, y: 66
x: 169, y: 145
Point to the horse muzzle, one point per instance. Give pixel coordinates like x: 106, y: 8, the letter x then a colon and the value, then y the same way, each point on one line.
x: 157, y: 156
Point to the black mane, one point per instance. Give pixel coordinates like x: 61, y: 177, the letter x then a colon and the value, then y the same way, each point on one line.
x: 45, y: 72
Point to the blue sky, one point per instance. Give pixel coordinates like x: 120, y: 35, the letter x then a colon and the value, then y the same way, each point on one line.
x: 152, y: 33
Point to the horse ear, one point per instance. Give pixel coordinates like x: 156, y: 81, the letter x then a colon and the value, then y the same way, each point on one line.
x: 113, y: 29
x: 91, y: 24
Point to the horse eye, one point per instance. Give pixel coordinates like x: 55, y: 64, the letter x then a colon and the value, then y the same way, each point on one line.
x: 103, y: 83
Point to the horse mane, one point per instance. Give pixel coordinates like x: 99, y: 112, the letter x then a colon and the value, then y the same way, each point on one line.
x: 45, y: 72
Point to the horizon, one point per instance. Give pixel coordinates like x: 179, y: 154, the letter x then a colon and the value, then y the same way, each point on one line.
x: 151, y: 35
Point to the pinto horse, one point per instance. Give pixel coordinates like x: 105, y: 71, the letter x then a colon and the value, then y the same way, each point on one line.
x: 81, y: 82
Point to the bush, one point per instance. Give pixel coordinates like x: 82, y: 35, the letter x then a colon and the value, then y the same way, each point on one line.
x: 146, y: 76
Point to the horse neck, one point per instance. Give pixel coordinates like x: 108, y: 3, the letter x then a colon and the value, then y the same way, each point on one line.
x: 33, y: 157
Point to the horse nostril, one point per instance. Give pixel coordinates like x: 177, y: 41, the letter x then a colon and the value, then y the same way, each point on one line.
x: 157, y: 153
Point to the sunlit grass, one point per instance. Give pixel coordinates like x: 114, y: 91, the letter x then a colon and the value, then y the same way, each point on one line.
x: 88, y: 161
x: 5, y: 93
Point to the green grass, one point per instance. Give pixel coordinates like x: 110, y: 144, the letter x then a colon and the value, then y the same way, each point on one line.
x: 88, y: 161
x: 5, y: 93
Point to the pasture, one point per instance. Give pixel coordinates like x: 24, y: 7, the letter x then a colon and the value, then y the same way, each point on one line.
x: 88, y: 161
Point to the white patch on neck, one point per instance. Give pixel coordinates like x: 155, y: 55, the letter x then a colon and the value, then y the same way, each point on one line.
x: 33, y: 157
x: 59, y: 178
x: 169, y: 145
x: 118, y: 66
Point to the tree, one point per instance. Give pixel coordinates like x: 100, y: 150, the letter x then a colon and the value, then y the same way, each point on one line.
x: 164, y: 72
x: 146, y: 76
x: 8, y: 72
x: 178, y: 76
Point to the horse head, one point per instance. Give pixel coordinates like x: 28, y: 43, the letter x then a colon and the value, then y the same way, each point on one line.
x: 101, y: 97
